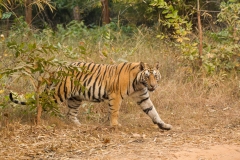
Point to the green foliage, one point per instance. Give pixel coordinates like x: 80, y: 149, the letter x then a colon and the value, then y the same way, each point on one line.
x: 221, y: 50
x: 217, y: 57
x: 30, y: 65
x: 84, y: 40
x: 7, y: 7
x: 230, y: 15
x: 224, y: 55
x: 37, y: 62
x: 6, y: 15
x: 189, y: 53
x: 87, y: 4
x: 65, y: 8
x: 171, y: 19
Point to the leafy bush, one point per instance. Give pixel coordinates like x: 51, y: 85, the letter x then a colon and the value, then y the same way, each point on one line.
x: 179, y: 25
x: 230, y: 16
x: 36, y: 59
x: 221, y: 50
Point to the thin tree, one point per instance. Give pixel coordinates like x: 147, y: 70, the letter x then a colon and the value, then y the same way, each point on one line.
x: 28, y: 12
x: 105, y: 12
x: 76, y: 13
x: 40, y: 5
x: 200, y: 36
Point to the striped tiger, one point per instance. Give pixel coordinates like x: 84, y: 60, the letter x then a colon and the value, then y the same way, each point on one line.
x: 112, y: 83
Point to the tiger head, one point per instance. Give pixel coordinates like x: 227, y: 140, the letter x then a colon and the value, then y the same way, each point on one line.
x: 150, y: 75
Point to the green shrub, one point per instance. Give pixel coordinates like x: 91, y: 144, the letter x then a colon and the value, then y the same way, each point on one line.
x: 221, y: 50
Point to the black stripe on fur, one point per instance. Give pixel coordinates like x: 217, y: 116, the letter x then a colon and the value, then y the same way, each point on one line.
x: 16, y: 101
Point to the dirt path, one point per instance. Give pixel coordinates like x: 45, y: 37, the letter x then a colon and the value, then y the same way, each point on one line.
x: 93, y: 142
x: 217, y: 152
x: 151, y: 152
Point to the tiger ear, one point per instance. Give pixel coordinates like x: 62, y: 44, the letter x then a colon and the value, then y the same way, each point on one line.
x: 157, y: 65
x: 142, y: 66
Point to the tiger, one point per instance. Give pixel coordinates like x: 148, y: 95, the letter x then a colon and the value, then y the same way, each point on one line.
x: 111, y: 83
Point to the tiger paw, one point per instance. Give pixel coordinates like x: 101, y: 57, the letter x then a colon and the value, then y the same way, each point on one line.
x: 116, y: 125
x: 119, y: 125
x: 164, y: 126
x: 75, y: 122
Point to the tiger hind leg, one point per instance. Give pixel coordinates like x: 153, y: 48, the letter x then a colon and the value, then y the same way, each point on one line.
x: 73, y: 107
x: 114, y: 106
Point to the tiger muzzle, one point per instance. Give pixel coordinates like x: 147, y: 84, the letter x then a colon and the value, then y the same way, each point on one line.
x: 152, y: 87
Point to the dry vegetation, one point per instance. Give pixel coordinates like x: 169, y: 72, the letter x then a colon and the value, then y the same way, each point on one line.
x: 204, y: 111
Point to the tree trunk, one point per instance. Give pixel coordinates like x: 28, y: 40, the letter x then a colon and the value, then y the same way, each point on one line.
x: 39, y: 110
x: 28, y: 12
x: 38, y: 105
x: 105, y: 12
x: 199, y: 33
x: 76, y: 13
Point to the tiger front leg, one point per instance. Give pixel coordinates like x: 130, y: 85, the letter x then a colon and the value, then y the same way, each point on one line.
x: 151, y: 112
x: 114, y: 106
x: 148, y: 107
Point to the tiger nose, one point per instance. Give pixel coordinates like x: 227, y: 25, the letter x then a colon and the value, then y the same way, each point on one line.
x: 152, y: 85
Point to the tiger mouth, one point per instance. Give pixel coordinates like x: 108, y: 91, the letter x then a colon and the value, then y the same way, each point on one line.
x: 151, y: 89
